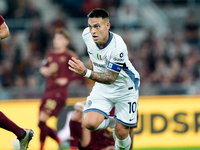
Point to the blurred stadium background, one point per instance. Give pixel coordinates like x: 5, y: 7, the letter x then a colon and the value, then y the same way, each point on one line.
x: 163, y: 40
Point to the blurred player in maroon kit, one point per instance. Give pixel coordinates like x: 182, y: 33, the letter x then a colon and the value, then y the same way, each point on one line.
x: 55, y: 70
x: 84, y: 139
x: 23, y: 135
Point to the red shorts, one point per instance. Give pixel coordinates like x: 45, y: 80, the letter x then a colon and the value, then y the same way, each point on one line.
x: 52, y: 105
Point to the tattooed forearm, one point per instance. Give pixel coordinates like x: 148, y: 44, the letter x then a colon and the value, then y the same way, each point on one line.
x: 107, y: 78
x: 84, y: 73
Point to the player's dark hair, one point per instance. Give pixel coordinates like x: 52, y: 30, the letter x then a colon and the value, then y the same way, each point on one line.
x: 64, y: 32
x: 97, y: 13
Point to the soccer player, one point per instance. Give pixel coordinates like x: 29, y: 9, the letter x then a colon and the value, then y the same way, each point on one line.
x: 116, y: 80
x: 57, y: 76
x: 23, y: 135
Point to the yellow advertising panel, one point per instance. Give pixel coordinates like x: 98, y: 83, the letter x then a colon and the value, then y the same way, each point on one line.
x: 164, y: 121
x: 168, y: 121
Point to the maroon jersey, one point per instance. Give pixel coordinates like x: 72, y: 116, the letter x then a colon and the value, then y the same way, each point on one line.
x: 1, y: 20
x: 102, y: 139
x: 55, y: 96
x: 58, y: 64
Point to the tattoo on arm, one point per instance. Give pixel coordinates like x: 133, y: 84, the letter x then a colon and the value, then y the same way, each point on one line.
x: 84, y: 72
x: 107, y: 78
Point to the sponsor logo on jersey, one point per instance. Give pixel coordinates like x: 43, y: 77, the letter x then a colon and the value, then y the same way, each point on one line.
x: 98, y: 65
x: 118, y: 59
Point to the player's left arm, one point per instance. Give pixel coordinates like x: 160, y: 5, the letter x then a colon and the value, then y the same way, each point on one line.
x: 78, y: 67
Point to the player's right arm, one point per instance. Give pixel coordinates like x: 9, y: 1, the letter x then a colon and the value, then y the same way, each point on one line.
x: 4, y: 30
x: 78, y: 67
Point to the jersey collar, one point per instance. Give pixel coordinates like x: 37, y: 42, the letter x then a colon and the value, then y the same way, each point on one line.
x: 109, y: 40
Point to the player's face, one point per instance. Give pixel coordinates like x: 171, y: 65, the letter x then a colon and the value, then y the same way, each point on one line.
x: 59, y: 41
x: 99, y: 29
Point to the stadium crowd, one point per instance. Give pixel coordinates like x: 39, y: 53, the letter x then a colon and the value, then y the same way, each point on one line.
x: 166, y: 61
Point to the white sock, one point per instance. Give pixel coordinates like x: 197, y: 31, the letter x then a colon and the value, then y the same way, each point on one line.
x: 123, y: 144
x: 109, y: 122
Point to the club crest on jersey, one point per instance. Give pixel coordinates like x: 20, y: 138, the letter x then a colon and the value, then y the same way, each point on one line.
x: 99, y: 57
x: 88, y: 103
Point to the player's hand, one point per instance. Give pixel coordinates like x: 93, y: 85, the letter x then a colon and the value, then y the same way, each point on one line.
x: 76, y: 66
x: 77, y: 115
x: 79, y: 106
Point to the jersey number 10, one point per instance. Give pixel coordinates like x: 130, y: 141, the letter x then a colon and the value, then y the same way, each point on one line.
x: 132, y: 107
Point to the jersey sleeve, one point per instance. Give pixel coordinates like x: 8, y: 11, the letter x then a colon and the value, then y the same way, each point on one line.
x: 1, y: 20
x: 117, y: 59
